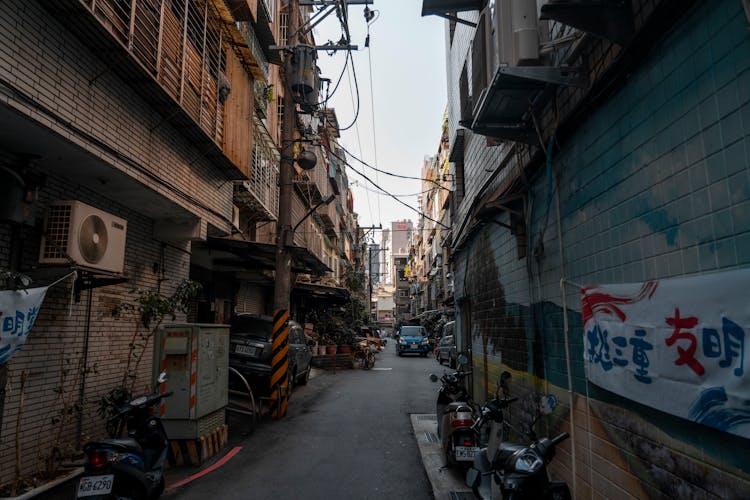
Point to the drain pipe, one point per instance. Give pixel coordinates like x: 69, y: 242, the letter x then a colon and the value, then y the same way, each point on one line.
x: 565, y: 316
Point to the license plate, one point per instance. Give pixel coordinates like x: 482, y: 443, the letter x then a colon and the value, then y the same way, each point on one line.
x: 466, y: 453
x: 95, y: 485
x: 245, y: 349
x: 414, y: 344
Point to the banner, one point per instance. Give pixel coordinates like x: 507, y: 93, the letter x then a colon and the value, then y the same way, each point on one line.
x: 18, y: 311
x: 677, y: 345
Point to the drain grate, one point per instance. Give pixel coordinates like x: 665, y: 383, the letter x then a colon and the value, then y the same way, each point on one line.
x: 432, y: 417
x: 431, y: 437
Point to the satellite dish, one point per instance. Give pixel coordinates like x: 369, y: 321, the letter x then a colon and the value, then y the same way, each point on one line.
x: 92, y: 239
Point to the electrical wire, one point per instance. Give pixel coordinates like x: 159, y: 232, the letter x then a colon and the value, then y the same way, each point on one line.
x: 437, y: 184
x: 372, y: 107
x: 356, y: 88
x: 363, y: 175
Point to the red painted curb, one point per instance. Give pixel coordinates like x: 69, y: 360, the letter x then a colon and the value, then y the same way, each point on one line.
x: 205, y: 471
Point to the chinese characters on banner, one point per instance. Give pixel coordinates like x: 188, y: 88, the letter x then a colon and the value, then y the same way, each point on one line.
x: 678, y: 345
x: 18, y: 311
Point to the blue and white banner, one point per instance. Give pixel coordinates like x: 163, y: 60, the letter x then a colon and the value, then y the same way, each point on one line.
x: 18, y: 311
x: 677, y: 345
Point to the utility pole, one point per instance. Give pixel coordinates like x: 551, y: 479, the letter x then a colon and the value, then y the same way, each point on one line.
x: 284, y: 234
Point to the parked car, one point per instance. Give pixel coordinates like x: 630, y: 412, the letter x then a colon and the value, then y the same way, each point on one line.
x: 250, y: 350
x: 412, y: 339
x: 447, y: 348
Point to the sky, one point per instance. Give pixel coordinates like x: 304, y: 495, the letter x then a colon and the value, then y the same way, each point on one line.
x: 405, y: 62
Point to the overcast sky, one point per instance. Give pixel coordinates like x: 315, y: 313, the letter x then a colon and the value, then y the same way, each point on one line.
x: 408, y: 93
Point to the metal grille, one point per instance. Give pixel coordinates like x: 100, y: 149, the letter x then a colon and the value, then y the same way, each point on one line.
x: 181, y: 43
x: 264, y: 176
x: 56, y: 234
x: 209, y: 423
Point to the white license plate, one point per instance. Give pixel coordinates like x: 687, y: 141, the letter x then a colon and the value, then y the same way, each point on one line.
x: 466, y: 453
x: 95, y: 485
x: 245, y: 349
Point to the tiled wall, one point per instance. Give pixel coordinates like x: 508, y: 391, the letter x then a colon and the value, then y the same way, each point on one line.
x: 654, y: 184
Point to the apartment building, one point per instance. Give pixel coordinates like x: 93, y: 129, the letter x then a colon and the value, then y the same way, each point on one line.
x: 602, y: 148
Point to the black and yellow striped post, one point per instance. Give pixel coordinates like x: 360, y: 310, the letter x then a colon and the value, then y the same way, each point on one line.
x: 280, y: 363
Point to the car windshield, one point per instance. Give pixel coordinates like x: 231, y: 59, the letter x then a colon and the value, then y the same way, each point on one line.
x: 413, y: 331
x: 253, y: 326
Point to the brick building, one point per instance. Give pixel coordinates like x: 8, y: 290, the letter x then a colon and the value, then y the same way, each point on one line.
x: 615, y: 151
x: 161, y: 117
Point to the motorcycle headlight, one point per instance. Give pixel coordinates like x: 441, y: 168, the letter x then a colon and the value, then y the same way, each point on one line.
x: 528, y: 462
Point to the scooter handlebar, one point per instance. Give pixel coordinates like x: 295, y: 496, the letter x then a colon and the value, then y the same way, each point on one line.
x: 560, y: 438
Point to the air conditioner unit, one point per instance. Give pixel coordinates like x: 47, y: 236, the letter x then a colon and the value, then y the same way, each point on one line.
x: 92, y: 238
x: 517, y: 27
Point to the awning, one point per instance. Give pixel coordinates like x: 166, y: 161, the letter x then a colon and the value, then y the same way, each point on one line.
x: 240, y: 255
x: 323, y: 292
x: 437, y: 7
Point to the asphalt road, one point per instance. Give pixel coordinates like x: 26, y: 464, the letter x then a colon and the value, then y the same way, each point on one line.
x: 347, y: 434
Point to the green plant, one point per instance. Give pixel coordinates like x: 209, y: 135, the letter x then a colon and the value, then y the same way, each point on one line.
x: 149, y: 310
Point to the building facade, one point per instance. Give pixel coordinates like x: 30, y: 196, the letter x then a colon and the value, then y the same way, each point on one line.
x: 600, y: 153
x: 161, y: 119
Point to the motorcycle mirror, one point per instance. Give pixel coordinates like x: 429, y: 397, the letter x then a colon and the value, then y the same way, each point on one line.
x: 547, y: 404
x: 433, y: 377
x: 462, y: 359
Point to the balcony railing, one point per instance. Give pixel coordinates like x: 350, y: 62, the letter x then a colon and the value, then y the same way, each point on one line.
x: 260, y: 194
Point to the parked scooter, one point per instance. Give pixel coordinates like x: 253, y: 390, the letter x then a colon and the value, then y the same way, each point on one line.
x: 133, y: 467
x: 514, y: 471
x: 455, y: 412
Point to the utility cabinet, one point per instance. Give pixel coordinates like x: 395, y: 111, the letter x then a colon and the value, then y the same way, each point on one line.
x: 196, y: 359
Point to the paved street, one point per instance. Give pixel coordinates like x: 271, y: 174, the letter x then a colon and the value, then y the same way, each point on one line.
x: 348, y: 434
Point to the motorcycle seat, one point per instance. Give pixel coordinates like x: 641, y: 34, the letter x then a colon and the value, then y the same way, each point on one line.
x: 458, y: 406
x: 505, y: 450
x: 125, y: 444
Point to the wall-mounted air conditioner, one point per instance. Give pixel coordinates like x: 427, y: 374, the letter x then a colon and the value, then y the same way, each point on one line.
x: 517, y: 32
x: 92, y: 238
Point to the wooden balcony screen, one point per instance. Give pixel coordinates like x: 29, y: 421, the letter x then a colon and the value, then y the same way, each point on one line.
x: 181, y: 44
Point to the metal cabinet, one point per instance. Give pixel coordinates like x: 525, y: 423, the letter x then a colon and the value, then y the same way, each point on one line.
x: 196, y: 359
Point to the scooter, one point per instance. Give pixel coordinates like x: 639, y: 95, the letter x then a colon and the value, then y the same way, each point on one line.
x: 455, y: 419
x: 133, y: 467
x: 515, y: 471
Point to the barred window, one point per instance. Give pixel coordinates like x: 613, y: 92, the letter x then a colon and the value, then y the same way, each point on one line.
x: 283, y: 27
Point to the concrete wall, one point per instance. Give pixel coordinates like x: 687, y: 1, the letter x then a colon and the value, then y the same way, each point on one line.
x: 654, y: 184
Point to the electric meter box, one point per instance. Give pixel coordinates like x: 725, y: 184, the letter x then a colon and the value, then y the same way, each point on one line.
x: 196, y: 359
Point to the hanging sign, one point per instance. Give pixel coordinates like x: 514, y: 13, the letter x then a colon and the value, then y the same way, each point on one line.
x: 677, y: 345
x: 18, y: 311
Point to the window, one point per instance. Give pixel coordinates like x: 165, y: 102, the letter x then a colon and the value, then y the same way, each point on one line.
x: 283, y: 27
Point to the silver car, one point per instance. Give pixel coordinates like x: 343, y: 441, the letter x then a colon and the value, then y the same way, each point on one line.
x: 447, y: 348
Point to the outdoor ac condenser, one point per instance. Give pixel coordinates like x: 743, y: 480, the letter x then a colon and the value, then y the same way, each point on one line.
x: 87, y: 236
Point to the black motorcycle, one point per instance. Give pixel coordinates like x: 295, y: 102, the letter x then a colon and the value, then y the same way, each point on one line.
x: 133, y: 467
x: 515, y: 471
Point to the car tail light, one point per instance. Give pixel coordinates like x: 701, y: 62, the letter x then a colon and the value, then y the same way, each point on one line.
x: 462, y: 422
x: 98, y: 459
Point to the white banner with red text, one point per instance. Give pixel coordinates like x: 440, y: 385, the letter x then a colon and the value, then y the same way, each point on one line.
x: 677, y: 345
x: 18, y: 311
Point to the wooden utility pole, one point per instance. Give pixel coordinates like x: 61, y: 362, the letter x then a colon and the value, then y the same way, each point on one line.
x: 284, y: 234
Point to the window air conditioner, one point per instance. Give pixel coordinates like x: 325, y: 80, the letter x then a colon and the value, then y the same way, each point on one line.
x: 92, y: 238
